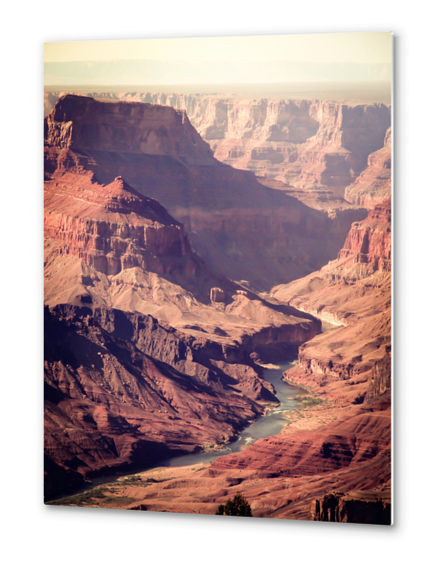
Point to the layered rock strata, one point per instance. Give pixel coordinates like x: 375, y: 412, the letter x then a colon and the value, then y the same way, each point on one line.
x: 332, y: 462
x: 373, y: 185
x: 305, y: 143
x: 142, y: 339
x: 159, y: 336
x: 373, y: 508
x: 318, y: 145
x: 239, y: 227
x: 109, y: 405
x: 355, y: 292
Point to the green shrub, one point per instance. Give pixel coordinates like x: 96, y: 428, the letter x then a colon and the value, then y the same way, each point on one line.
x: 238, y: 506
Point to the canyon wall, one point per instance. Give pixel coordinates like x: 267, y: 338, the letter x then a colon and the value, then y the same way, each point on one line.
x: 151, y: 349
x: 373, y: 508
x: 373, y: 185
x: 308, y: 144
x: 238, y: 226
x: 318, y: 145
x: 355, y: 292
x: 137, y: 345
x: 332, y: 461
x: 110, y: 405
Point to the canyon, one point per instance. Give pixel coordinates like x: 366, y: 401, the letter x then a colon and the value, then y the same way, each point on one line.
x: 240, y: 227
x: 331, y: 462
x: 152, y: 322
x: 173, y: 274
x: 308, y: 144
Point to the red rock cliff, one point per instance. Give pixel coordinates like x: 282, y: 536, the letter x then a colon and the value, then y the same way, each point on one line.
x: 373, y: 185
x: 239, y: 227
x: 309, y: 144
x: 115, y: 228
x: 306, y: 143
x: 84, y: 123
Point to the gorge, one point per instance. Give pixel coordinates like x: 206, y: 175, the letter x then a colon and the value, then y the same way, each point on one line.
x: 172, y: 276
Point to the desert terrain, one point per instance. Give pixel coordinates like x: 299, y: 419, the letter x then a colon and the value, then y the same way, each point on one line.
x: 194, y: 243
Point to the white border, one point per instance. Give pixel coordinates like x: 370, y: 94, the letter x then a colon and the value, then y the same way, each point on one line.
x: 32, y: 530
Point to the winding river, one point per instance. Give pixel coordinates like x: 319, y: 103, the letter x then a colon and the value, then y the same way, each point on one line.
x: 265, y: 426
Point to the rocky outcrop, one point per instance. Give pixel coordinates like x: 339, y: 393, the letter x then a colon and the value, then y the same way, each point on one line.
x: 239, y: 227
x: 84, y: 123
x: 370, y: 240
x: 110, y: 405
x: 373, y: 185
x: 114, y: 228
x: 355, y: 507
x: 356, y: 290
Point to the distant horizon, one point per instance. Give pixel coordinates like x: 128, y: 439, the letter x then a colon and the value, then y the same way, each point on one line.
x: 344, y: 91
x: 154, y: 72
x: 329, y: 57
x: 358, y: 47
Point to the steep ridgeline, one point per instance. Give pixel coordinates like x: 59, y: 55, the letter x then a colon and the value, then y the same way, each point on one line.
x: 110, y: 405
x: 241, y: 228
x: 353, y: 292
x: 114, y: 228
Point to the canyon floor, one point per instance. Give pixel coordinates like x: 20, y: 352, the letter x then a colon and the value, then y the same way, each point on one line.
x: 187, y: 245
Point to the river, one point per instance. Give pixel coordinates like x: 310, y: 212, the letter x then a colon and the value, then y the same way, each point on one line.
x: 264, y: 426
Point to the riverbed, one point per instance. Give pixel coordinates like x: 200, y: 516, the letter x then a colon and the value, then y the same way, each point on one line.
x: 269, y: 424
x: 265, y: 426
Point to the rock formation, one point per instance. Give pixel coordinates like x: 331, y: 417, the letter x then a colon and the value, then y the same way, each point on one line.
x: 354, y: 507
x: 149, y: 352
x: 239, y: 227
x: 373, y: 185
x: 332, y: 462
x: 217, y: 295
x: 306, y: 144
x: 139, y: 332
x: 321, y: 145
x: 109, y: 404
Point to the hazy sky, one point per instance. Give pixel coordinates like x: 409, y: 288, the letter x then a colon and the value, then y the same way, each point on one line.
x: 367, y: 48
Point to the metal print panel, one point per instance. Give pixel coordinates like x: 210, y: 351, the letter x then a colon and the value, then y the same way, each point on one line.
x: 218, y: 276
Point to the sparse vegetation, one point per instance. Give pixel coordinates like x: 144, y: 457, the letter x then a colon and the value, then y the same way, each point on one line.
x: 308, y: 401
x: 238, y: 506
x: 131, y: 479
x: 85, y: 498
